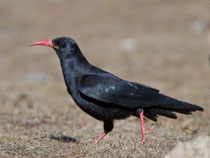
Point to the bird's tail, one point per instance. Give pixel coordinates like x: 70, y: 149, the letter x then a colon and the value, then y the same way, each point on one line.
x: 180, y: 106
x: 171, y: 105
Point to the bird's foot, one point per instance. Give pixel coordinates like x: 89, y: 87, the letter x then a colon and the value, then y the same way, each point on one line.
x: 100, y: 137
x: 142, y: 138
x: 143, y: 132
x: 149, y: 129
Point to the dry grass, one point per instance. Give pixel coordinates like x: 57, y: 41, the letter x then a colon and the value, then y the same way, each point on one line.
x: 39, y: 119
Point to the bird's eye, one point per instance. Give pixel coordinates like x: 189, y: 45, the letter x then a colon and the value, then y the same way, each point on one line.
x: 59, y: 44
x: 56, y: 47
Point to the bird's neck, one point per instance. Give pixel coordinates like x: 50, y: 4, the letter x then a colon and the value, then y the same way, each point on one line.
x: 73, y: 68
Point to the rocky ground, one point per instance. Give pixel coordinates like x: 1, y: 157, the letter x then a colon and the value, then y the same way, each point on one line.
x: 163, y: 44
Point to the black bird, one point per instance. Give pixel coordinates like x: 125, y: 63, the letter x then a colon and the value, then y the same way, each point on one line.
x: 106, y: 97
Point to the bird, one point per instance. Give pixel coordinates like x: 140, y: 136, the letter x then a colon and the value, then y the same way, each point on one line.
x: 106, y: 97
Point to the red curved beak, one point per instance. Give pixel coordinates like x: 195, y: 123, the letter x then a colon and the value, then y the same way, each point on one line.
x: 43, y: 43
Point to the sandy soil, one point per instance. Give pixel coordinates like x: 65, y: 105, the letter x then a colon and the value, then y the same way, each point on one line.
x: 164, y: 44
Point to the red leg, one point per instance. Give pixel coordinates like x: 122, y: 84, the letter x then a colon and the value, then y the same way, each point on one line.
x: 149, y: 129
x: 100, y: 137
x: 143, y: 132
x: 141, y: 115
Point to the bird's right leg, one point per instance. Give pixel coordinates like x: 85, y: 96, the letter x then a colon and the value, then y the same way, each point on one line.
x: 108, y: 126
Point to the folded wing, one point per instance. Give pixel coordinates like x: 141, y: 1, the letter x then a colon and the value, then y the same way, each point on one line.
x: 111, y: 89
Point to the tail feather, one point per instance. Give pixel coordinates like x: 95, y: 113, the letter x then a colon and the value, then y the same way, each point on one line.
x: 179, y: 106
x: 153, y: 114
x: 169, y: 106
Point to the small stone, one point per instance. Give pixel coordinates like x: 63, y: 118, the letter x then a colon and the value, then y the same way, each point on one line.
x: 198, y: 148
x: 128, y: 44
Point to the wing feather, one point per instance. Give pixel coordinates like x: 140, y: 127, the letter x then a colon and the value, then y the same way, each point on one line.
x: 111, y: 89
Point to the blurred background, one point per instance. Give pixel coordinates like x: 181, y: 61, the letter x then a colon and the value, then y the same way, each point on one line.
x: 161, y: 43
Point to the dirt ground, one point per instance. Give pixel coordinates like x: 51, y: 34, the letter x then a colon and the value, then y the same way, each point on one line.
x: 161, y: 43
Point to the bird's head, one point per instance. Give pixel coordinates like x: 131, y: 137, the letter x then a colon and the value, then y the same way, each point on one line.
x: 65, y: 47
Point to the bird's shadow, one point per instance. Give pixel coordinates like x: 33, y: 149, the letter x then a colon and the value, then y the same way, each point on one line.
x: 65, y: 139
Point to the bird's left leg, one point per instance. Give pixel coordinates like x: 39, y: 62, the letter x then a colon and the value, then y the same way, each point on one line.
x: 108, y: 126
x: 143, y: 132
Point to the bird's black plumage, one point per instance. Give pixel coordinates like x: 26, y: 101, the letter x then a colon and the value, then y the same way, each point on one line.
x: 107, y: 97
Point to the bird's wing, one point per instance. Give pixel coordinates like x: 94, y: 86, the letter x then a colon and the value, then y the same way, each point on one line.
x: 111, y: 89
